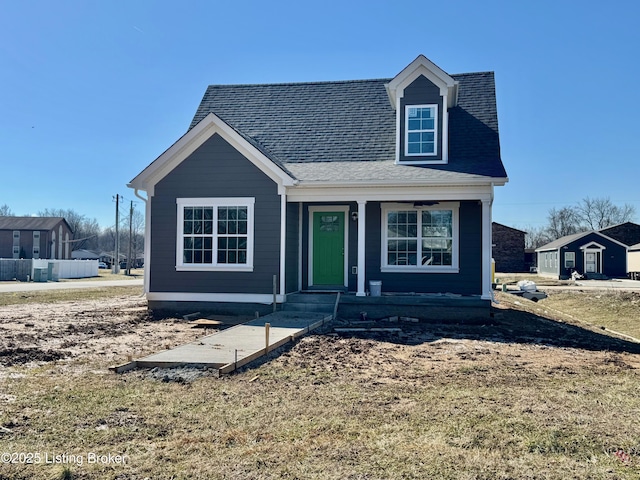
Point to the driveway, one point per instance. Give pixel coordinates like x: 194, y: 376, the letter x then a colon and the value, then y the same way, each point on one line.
x: 623, y: 285
x: 8, y: 287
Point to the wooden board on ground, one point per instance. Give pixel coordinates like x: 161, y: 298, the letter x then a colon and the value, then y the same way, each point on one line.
x: 205, y: 323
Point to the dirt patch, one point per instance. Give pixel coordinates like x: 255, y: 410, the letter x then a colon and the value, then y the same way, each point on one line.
x: 97, y: 332
x: 93, y: 334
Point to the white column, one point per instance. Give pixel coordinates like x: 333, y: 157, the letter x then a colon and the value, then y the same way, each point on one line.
x: 361, y: 247
x: 486, y: 250
x: 283, y: 242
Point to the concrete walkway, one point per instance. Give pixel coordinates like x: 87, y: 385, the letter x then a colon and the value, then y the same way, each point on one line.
x: 236, y: 346
x: 8, y: 287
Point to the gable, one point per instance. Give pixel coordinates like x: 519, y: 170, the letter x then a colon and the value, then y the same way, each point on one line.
x: 182, y: 149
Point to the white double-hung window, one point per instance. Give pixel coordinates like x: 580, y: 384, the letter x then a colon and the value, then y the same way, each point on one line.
x: 420, y: 239
x: 421, y: 122
x: 215, y: 234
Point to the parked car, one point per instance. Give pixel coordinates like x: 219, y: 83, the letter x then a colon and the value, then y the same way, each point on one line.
x: 102, y: 265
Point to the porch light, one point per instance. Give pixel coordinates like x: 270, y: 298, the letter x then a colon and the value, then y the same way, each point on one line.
x: 354, y: 216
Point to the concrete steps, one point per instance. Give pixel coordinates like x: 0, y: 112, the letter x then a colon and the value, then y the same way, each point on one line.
x: 310, y: 302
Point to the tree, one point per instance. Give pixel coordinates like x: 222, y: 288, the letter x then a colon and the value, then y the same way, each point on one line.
x: 565, y: 221
x: 536, y: 237
x: 599, y: 213
x: 5, y: 211
x: 85, y: 230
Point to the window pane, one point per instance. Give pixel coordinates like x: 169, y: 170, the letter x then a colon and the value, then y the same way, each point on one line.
x: 414, y: 124
x: 427, y: 124
x: 222, y: 227
x: 427, y: 136
x: 188, y: 227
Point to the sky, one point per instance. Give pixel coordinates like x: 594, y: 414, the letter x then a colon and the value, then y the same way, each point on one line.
x: 93, y: 91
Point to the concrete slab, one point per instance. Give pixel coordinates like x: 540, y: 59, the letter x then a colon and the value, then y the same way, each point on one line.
x: 236, y: 346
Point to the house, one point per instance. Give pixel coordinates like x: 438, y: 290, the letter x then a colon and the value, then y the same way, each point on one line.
x: 83, y: 254
x: 627, y: 233
x: 508, y: 248
x: 592, y: 254
x: 285, y: 188
x: 35, y: 237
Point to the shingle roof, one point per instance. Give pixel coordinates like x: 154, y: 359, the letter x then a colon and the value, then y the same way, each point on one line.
x: 559, y: 242
x: 353, y: 121
x: 29, y: 223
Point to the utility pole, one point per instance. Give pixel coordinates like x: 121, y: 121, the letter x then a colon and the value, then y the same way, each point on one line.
x: 130, y: 238
x: 116, y: 250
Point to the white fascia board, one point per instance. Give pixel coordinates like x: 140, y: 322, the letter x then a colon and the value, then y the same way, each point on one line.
x: 593, y: 244
x: 192, y: 140
x: 384, y: 193
x: 401, y: 184
x: 422, y: 66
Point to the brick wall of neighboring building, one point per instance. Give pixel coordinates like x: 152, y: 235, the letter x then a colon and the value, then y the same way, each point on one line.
x: 508, y: 248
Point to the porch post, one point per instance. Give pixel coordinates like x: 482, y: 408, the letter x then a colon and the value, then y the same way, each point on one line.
x: 486, y: 250
x: 361, y: 247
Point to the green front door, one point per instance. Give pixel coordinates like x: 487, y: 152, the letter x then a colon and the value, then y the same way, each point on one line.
x: 328, y: 248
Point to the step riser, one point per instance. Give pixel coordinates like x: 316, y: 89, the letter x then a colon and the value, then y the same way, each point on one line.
x: 307, y: 307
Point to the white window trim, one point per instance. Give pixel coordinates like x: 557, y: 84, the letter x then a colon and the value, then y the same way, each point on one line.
x: 435, y: 131
x: 214, y: 202
x: 569, y: 256
x: 453, y: 268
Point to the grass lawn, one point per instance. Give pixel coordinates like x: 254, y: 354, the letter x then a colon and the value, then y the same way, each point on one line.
x: 540, y: 393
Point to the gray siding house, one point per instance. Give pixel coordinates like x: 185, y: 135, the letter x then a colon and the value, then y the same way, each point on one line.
x: 35, y: 237
x: 591, y: 254
x: 326, y: 186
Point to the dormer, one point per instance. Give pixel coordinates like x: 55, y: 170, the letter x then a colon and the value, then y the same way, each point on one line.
x: 422, y: 95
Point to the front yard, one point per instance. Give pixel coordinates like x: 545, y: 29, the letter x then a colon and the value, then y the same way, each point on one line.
x: 539, y: 392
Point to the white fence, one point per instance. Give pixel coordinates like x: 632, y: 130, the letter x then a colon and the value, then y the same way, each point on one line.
x: 66, y: 268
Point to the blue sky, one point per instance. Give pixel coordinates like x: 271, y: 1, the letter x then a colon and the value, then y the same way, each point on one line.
x: 92, y: 91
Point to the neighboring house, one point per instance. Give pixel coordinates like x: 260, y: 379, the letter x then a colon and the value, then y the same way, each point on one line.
x: 633, y: 261
x: 591, y: 254
x: 326, y: 186
x: 627, y: 233
x: 508, y: 248
x: 84, y: 255
x: 35, y: 237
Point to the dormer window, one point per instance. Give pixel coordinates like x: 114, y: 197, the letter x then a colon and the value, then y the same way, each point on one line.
x: 421, y: 130
x: 422, y: 95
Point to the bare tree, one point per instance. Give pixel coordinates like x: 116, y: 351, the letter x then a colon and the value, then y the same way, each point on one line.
x: 565, y: 221
x: 536, y: 237
x: 5, y: 211
x: 85, y: 230
x: 599, y: 213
